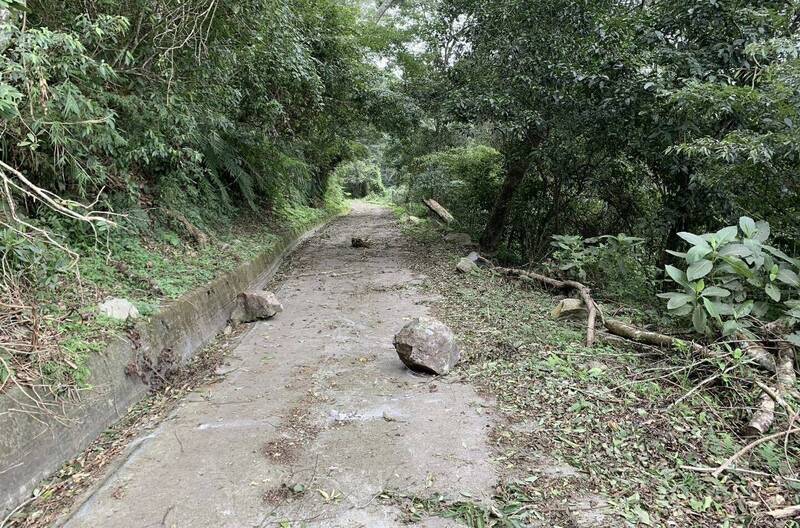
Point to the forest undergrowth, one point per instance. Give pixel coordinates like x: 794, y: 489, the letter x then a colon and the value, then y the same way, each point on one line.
x: 636, y: 431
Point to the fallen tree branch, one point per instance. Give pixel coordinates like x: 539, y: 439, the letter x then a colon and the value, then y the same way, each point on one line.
x: 762, y: 419
x: 756, y: 352
x: 727, y: 464
x: 638, y: 335
x: 785, y: 513
x: 583, y: 290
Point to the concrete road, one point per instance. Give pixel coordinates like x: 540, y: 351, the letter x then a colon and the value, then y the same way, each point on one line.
x: 316, y: 415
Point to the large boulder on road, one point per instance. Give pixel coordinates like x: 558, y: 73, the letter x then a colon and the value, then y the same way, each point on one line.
x: 427, y: 345
x: 255, y: 306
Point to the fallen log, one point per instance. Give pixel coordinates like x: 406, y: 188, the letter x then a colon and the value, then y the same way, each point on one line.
x: 785, y: 513
x: 756, y: 352
x: 583, y: 290
x: 437, y: 209
x: 647, y: 337
x: 762, y: 419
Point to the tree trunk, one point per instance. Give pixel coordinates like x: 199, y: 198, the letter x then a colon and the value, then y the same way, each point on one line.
x: 493, y: 232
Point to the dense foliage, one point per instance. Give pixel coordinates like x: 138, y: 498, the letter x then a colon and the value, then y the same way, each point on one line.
x: 200, y: 106
x: 360, y: 178
x: 649, y: 118
x: 140, y: 137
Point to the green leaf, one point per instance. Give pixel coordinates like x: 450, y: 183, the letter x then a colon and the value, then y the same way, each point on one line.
x: 735, y: 250
x: 676, y: 253
x: 789, y: 277
x: 726, y: 235
x: 763, y: 231
x: 730, y: 328
x: 694, y: 240
x: 697, y: 253
x: 698, y: 270
x: 699, y: 320
x: 714, y: 291
x: 773, y: 291
x: 679, y: 300
x: 683, y: 310
x: 738, y: 266
x: 711, y: 308
x: 677, y: 275
x: 744, y: 310
x: 748, y: 226
x: 794, y: 339
x: 781, y: 255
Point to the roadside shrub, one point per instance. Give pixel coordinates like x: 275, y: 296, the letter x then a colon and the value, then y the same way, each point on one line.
x: 360, y: 178
x: 465, y: 180
x: 617, y: 263
x: 733, y: 279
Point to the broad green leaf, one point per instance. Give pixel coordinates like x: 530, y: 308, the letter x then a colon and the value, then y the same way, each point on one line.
x: 730, y: 327
x: 748, y: 226
x: 697, y: 253
x: 744, y: 310
x: 711, y: 308
x: 794, y: 339
x: 738, y: 266
x: 726, y: 235
x: 698, y: 270
x: 735, y: 250
x: 694, y: 240
x: 763, y: 231
x: 679, y: 300
x: 683, y: 310
x: 781, y: 255
x: 714, y: 291
x: 677, y: 275
x: 773, y: 291
x: 789, y: 277
x: 676, y: 253
x: 699, y: 319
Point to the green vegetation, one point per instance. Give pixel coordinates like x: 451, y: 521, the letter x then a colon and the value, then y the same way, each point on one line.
x: 647, y: 149
x: 360, y: 178
x: 147, y: 146
x: 629, y: 425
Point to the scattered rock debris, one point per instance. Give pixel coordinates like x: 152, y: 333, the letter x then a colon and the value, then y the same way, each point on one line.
x: 255, y: 306
x: 119, y: 309
x: 357, y: 242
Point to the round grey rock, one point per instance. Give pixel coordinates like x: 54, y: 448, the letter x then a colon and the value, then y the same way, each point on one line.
x: 427, y: 345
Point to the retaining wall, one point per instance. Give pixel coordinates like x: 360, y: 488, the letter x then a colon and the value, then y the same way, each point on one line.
x: 35, y: 444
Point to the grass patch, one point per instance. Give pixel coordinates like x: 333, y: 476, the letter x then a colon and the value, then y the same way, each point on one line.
x: 55, y: 327
x: 604, y: 412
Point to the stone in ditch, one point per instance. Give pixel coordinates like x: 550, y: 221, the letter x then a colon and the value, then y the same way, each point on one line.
x: 466, y: 265
x: 462, y: 239
x: 255, y: 306
x: 119, y: 309
x: 570, y: 309
x: 427, y: 345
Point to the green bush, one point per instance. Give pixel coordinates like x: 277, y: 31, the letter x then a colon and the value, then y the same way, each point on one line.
x: 734, y: 278
x: 465, y: 180
x: 360, y: 178
x: 616, y: 264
